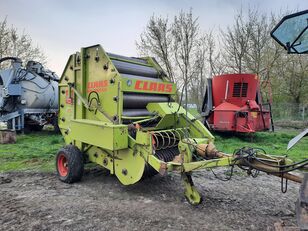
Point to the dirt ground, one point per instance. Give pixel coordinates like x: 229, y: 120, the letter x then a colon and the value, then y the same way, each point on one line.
x: 39, y: 201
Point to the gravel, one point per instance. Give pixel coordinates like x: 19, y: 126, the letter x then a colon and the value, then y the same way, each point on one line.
x: 39, y: 201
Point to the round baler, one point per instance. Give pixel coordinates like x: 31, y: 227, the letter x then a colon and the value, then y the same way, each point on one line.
x: 119, y: 112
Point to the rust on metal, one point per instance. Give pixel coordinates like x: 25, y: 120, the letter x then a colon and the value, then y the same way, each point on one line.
x: 209, y: 151
x: 163, y: 169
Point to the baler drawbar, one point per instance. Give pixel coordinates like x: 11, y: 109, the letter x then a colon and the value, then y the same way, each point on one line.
x: 120, y: 112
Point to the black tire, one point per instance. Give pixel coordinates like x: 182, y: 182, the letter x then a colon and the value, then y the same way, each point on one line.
x: 69, y: 164
x: 29, y: 128
x: 34, y: 127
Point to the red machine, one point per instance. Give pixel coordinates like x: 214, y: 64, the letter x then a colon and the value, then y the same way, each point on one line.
x: 233, y: 103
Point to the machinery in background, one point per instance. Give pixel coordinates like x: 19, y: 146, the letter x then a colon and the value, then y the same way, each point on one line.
x: 233, y: 103
x: 28, y: 95
x: 119, y: 112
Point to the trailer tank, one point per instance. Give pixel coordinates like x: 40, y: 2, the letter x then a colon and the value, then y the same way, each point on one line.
x: 28, y: 95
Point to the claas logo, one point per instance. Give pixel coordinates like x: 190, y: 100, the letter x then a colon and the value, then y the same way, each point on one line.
x: 153, y: 86
x: 98, y: 86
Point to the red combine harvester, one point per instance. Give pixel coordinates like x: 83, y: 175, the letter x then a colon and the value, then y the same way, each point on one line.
x: 233, y: 103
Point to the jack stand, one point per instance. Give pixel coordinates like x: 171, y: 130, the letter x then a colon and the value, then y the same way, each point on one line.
x: 191, y: 193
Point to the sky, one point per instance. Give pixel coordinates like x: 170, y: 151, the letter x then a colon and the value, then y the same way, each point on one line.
x: 62, y: 27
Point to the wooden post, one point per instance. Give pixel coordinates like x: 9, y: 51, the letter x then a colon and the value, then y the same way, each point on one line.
x: 7, y: 137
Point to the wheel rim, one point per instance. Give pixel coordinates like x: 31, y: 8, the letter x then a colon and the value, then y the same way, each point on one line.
x: 62, y: 165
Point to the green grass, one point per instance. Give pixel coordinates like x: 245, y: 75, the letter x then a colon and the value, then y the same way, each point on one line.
x: 37, y: 151
x: 273, y: 143
x: 34, y: 151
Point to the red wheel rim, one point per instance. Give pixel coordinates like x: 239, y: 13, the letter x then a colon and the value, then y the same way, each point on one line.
x: 62, y: 165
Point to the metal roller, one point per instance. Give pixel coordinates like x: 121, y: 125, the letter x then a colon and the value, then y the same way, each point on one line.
x: 167, y: 139
x: 135, y: 100
x: 136, y: 112
x: 165, y: 144
x: 166, y: 155
x: 135, y: 69
x: 111, y: 55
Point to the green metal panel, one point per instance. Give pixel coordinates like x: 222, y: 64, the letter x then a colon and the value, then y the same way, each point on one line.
x: 168, y: 108
x: 143, y: 138
x: 174, y: 115
x: 102, y: 157
x: 101, y: 134
x: 129, y: 166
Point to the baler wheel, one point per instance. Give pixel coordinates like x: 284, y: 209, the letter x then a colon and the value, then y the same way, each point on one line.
x: 70, y: 164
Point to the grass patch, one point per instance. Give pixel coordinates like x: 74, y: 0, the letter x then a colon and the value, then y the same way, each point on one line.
x: 273, y: 143
x: 37, y: 151
x: 34, y: 151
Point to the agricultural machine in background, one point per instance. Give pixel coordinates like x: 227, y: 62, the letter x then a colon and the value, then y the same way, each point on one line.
x: 233, y: 103
x: 119, y: 112
x: 28, y: 95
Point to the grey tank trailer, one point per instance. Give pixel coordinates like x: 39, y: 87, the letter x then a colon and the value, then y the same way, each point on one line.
x: 28, y: 95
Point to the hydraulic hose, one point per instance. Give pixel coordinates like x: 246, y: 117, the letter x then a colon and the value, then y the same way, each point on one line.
x: 9, y: 58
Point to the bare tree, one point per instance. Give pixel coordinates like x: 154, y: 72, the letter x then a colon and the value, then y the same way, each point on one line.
x: 179, y: 48
x: 248, y: 47
x: 267, y: 59
x: 189, y: 55
x: 236, y: 43
x: 263, y: 51
x: 156, y: 41
x: 290, y: 78
x: 197, y: 84
x: 214, y: 55
x: 185, y: 30
x: 209, y: 62
x: 259, y: 41
x: 13, y: 43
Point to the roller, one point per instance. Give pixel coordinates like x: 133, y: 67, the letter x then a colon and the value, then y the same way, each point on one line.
x: 136, y: 112
x: 115, y: 56
x: 135, y: 69
x: 164, y: 155
x: 137, y: 101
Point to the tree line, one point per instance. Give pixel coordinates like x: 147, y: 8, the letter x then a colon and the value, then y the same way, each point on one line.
x: 189, y: 54
x: 16, y: 44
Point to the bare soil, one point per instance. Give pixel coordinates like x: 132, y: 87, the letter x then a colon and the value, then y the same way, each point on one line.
x: 39, y: 201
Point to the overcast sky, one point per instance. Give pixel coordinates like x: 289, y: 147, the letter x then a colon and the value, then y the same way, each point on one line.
x: 61, y: 27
